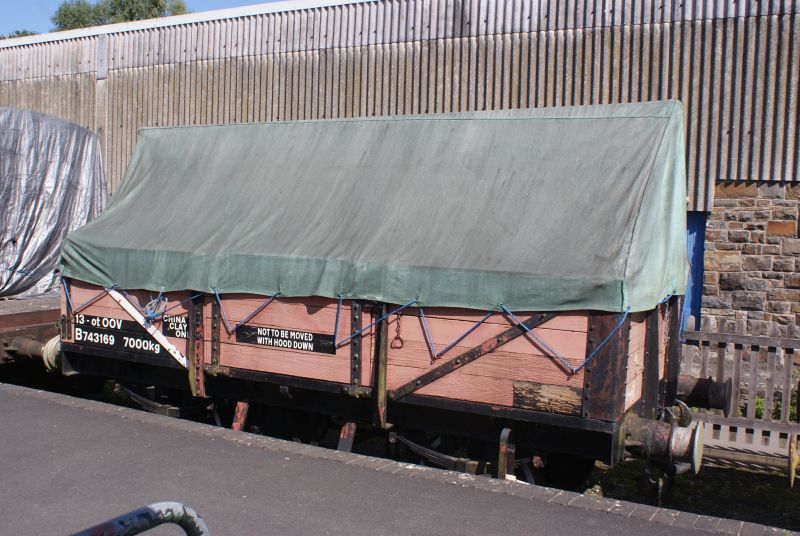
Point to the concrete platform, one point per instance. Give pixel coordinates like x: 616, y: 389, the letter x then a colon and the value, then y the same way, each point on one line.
x: 68, y: 463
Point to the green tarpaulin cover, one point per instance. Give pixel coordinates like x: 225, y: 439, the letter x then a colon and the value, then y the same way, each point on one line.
x: 538, y: 209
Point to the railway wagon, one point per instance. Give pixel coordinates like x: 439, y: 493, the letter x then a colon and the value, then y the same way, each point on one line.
x: 509, y: 277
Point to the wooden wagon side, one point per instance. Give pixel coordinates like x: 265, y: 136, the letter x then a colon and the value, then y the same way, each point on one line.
x: 575, y: 372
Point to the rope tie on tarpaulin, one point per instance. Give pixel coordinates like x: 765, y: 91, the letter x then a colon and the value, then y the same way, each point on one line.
x: 150, y: 311
x: 553, y: 353
x: 249, y: 317
x: 150, y: 315
x: 428, y: 339
x: 592, y: 354
x: 338, y: 344
x: 76, y: 310
x: 436, y: 354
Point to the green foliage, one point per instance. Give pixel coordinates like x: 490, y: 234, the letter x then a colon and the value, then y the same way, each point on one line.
x: 73, y: 14
x: 17, y: 33
x: 776, y: 408
x: 125, y: 10
x: 80, y: 14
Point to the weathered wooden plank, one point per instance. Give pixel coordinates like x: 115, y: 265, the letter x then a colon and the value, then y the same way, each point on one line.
x: 550, y: 398
x: 769, y: 384
x: 734, y: 338
x: 752, y: 378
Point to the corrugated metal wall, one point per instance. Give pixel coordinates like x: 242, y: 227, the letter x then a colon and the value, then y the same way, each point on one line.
x: 735, y: 64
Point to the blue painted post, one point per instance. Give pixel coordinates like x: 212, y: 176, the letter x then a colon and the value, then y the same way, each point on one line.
x: 695, y: 243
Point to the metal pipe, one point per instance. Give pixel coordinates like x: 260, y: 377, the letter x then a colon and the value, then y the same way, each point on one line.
x: 150, y: 516
x: 22, y: 347
x: 25, y: 348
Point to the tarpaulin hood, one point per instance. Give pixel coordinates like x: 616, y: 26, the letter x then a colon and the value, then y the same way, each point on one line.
x: 536, y: 209
x: 51, y: 182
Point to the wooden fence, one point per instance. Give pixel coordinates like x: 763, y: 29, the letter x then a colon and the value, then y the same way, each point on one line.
x: 765, y: 372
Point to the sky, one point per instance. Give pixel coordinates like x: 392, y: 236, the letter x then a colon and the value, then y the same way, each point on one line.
x: 34, y: 15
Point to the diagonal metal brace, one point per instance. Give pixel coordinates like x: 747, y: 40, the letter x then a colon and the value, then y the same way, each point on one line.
x: 470, y: 355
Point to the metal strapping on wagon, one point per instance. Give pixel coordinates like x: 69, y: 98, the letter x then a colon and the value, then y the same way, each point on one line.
x: 359, y: 332
x: 75, y: 310
x: 149, y: 315
x: 554, y: 353
x: 249, y: 317
x: 429, y: 340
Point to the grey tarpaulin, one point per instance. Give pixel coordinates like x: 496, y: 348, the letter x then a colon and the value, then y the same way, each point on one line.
x: 545, y: 209
x: 51, y: 182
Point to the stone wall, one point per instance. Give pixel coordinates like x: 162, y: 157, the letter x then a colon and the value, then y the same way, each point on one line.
x: 752, y: 259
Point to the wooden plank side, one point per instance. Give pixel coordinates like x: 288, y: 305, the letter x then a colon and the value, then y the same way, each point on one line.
x: 315, y: 315
x: 459, y: 385
x: 550, y: 398
x: 571, y: 345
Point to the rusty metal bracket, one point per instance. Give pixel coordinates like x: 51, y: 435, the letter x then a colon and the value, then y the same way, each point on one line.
x: 215, y: 333
x: 347, y: 436
x: 506, y: 454
x: 240, y: 415
x: 195, y: 347
x: 470, y: 355
x: 381, y: 361
x: 604, y: 377
x: 355, y: 344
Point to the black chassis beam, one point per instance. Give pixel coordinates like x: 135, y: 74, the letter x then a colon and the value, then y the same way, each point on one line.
x: 537, y: 431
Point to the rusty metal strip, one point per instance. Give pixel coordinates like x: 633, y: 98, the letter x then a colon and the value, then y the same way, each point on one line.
x: 240, y: 415
x: 195, y: 347
x: 347, y: 436
x: 470, y: 355
x: 215, y: 333
x: 604, y: 377
x: 355, y: 343
x: 505, y: 456
x: 381, y: 361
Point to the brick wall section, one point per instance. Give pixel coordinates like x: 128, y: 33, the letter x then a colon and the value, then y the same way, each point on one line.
x: 752, y: 258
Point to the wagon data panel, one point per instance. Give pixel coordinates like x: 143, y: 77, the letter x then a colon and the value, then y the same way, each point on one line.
x: 124, y: 335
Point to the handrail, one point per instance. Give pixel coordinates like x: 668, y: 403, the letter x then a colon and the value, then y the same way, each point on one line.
x: 148, y: 517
